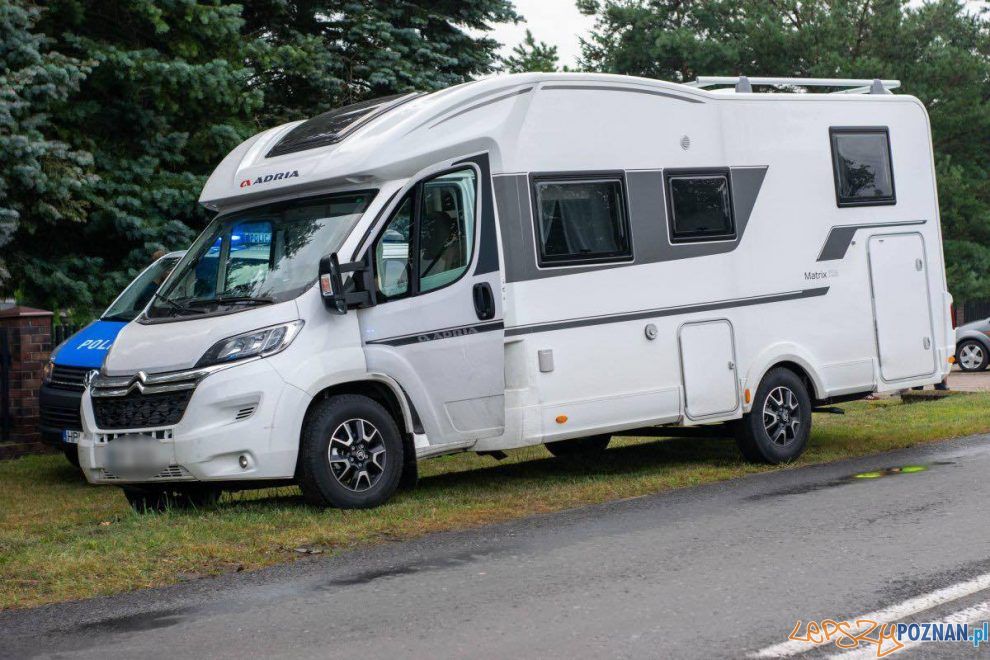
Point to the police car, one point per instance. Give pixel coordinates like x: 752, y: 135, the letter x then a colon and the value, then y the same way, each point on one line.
x: 83, y: 352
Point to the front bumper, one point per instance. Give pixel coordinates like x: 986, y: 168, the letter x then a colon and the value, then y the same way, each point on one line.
x: 241, y: 423
x: 59, y: 411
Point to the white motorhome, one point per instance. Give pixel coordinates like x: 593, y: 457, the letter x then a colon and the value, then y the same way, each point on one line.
x: 536, y: 258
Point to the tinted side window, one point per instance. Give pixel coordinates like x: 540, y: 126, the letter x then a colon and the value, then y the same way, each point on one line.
x: 580, y: 221
x: 700, y: 206
x: 428, y: 242
x: 862, y: 165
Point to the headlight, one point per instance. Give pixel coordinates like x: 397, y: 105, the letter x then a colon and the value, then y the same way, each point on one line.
x: 46, y: 374
x: 263, y: 342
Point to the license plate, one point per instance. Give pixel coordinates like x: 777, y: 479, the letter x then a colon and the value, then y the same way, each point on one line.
x: 135, y: 457
x: 71, y: 437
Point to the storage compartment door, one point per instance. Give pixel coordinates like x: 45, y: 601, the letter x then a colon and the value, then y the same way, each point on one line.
x: 708, y: 361
x: 902, y: 312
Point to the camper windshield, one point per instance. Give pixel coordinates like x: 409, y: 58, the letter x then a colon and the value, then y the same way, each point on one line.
x: 263, y: 255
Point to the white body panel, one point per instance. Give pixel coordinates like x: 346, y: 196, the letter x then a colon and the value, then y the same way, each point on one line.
x: 804, y: 283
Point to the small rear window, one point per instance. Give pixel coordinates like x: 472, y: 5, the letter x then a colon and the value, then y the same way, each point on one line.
x: 700, y: 205
x: 861, y: 162
x: 332, y: 127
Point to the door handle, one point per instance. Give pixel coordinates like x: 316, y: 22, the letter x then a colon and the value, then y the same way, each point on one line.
x: 484, y: 301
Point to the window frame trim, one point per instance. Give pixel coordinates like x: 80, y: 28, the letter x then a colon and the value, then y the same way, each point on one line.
x: 841, y: 203
x: 668, y: 196
x: 417, y: 192
x: 583, y: 176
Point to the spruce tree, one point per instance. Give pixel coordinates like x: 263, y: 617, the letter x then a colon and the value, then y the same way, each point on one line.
x: 324, y: 54
x: 41, y: 177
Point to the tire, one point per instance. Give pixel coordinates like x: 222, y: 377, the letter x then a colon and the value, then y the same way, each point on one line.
x: 776, y: 430
x: 158, y: 499
x: 71, y: 454
x: 351, y: 455
x: 579, y: 447
x: 972, y: 355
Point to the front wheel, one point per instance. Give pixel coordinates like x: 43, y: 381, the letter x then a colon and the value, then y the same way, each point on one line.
x: 351, y: 455
x: 776, y: 430
x: 971, y: 355
x: 71, y: 454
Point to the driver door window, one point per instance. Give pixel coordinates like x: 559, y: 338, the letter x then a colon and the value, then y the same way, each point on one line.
x: 392, y: 267
x: 429, y: 241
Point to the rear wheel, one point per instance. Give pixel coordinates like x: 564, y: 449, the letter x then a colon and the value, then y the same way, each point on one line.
x: 157, y: 499
x: 351, y: 455
x: 577, y: 447
x: 971, y: 355
x: 776, y: 429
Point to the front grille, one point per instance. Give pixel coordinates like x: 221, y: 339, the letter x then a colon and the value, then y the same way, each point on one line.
x: 69, y: 378
x: 61, y: 418
x: 139, y: 411
x: 171, y: 472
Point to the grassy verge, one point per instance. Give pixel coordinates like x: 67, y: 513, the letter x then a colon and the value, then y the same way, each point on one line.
x: 61, y: 539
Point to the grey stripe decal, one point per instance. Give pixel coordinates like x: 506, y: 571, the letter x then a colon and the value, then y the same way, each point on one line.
x: 436, y: 335
x: 840, y: 237
x: 665, y: 311
x: 606, y: 88
x: 647, y: 219
x: 482, y: 104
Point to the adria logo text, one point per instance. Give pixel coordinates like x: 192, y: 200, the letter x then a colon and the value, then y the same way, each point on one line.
x: 269, y: 178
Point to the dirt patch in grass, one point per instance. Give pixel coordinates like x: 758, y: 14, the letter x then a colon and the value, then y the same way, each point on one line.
x: 61, y: 539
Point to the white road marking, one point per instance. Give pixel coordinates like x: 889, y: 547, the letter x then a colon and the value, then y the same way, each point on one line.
x: 890, y: 614
x: 968, y: 615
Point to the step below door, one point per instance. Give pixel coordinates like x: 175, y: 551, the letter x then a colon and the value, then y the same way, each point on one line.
x: 902, y: 312
x: 708, y: 361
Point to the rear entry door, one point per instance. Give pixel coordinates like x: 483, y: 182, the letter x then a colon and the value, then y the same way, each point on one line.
x: 901, y: 307
x: 708, y: 361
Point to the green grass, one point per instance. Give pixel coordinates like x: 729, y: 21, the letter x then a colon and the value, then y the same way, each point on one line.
x: 61, y: 539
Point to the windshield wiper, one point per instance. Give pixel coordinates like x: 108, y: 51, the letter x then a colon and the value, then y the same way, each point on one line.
x: 222, y: 300
x: 257, y: 300
x: 177, y: 306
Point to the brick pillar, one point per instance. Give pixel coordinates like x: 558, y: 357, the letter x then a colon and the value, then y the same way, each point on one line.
x: 29, y: 336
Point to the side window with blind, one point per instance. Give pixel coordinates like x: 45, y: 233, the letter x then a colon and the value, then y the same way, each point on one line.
x: 581, y: 220
x: 864, y: 175
x: 699, y: 204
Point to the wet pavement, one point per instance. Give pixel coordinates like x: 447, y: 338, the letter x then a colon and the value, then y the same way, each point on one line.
x: 720, y: 570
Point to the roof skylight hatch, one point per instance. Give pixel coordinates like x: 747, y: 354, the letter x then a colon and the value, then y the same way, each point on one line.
x: 333, y: 126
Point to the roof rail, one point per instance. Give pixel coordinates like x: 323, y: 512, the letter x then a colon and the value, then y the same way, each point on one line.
x: 745, y: 84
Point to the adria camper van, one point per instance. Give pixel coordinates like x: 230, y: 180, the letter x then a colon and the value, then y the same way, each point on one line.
x: 536, y: 258
x: 62, y: 383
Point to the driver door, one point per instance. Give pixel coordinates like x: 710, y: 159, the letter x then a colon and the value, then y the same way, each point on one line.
x: 437, y: 328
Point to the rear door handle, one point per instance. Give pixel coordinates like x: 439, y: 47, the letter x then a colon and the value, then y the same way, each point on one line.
x: 484, y: 301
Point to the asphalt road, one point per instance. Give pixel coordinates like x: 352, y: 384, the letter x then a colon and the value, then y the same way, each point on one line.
x: 724, y: 570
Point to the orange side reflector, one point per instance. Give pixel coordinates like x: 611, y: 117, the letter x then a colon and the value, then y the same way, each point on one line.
x: 952, y: 359
x: 747, y: 395
x: 561, y: 419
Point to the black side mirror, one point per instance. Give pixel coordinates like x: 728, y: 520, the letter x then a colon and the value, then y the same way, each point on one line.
x: 360, y: 290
